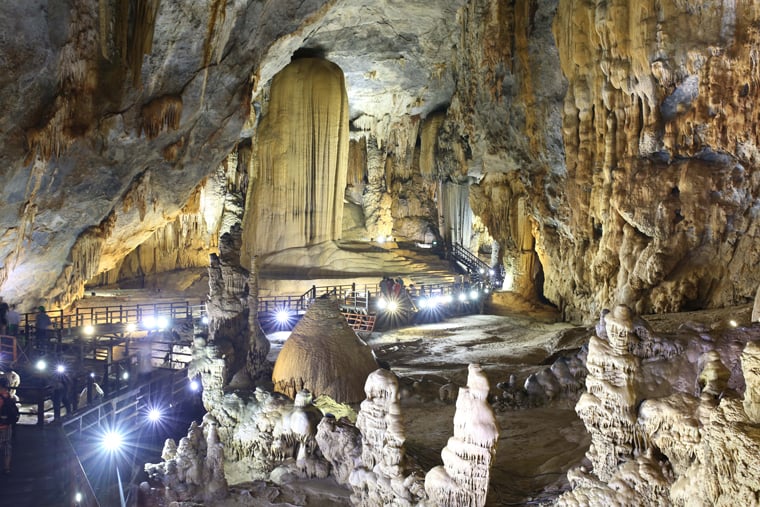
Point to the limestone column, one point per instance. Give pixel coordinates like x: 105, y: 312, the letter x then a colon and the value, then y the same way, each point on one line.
x: 299, y: 176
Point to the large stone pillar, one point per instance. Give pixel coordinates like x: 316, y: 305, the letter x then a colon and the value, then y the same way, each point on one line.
x: 299, y: 175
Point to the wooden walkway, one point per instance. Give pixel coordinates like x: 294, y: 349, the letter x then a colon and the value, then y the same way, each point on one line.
x: 40, y: 472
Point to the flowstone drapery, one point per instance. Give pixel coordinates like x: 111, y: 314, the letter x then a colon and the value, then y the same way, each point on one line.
x: 462, y: 481
x: 300, y: 171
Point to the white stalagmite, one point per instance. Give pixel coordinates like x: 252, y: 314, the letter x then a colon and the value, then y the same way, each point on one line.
x: 608, y: 409
x: 462, y: 481
x: 385, y: 477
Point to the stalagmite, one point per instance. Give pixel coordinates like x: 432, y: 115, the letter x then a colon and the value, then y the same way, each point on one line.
x: 608, y: 408
x: 385, y: 475
x: 462, y: 481
x: 324, y: 355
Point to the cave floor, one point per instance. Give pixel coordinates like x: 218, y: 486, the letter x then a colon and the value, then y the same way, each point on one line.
x: 537, y: 445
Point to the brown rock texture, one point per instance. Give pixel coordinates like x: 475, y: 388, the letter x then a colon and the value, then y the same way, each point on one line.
x: 324, y: 355
x: 300, y: 174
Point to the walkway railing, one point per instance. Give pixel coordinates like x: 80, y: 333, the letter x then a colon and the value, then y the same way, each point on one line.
x: 478, y: 270
x: 65, y: 321
x: 168, y: 386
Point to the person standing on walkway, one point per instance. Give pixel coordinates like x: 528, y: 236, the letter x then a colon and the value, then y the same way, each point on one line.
x: 42, y: 326
x: 6, y: 427
x: 14, y: 320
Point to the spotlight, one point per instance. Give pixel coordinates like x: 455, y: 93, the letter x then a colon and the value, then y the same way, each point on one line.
x: 162, y: 323
x: 462, y: 296
x: 282, y: 316
x: 490, y: 272
x: 125, y: 375
x: 92, y: 374
x: 732, y: 323
x: 382, y: 303
x: 112, y: 441
x: 89, y: 330
x: 194, y: 385
x: 149, y: 322
x: 60, y: 368
x: 41, y: 365
x: 424, y: 303
x: 154, y: 415
x: 204, y: 319
x: 392, y: 306
x: 448, y: 298
x: 78, y: 497
x: 473, y: 294
x: 131, y: 327
x: 380, y: 239
x: 481, y: 271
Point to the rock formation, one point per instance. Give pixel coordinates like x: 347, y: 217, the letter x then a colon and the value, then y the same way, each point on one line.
x: 608, y: 408
x: 300, y: 173
x: 193, y: 470
x: 463, y: 478
x: 324, y: 355
x: 385, y: 475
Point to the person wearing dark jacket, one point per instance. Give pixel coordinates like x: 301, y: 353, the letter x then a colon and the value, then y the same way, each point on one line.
x: 6, y: 427
x: 42, y: 327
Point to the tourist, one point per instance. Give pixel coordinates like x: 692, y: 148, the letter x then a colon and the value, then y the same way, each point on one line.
x: 6, y: 425
x: 42, y: 327
x: 14, y: 320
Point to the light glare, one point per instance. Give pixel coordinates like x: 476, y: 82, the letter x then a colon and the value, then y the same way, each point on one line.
x: 282, y: 316
x: 154, y: 415
x: 149, y: 322
x: 41, y: 365
x: 112, y: 441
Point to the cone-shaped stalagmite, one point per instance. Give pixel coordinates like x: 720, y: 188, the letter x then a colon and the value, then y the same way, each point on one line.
x: 324, y: 355
x: 300, y: 173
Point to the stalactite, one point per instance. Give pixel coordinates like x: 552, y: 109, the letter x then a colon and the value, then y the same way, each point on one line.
x: 429, y: 141
x: 104, y: 19
x: 137, y: 194
x: 160, y: 114
x: 84, y: 261
x: 142, y: 38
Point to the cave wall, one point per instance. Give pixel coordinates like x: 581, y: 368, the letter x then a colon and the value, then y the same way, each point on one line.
x: 661, y: 152
x: 626, y: 131
x: 113, y: 115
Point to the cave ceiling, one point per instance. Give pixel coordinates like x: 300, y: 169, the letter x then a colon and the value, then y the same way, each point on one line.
x: 96, y: 160
x: 610, y: 148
